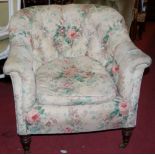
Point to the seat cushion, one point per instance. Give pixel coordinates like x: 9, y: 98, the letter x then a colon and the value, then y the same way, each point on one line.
x: 74, y: 81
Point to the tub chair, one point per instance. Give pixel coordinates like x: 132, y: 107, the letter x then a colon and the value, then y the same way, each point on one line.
x: 73, y: 69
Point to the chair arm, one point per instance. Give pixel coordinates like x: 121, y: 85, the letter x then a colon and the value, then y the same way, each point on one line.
x: 132, y: 62
x: 20, y: 68
x: 135, y: 92
x: 17, y: 90
x: 18, y: 61
x: 129, y: 57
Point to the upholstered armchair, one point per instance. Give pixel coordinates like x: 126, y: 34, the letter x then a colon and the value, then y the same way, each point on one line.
x: 73, y: 69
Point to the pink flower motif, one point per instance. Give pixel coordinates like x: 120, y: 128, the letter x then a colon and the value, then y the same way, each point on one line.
x: 115, y: 69
x: 62, y: 30
x: 71, y: 71
x: 67, y: 85
x: 123, y: 107
x: 33, y: 116
x: 68, y: 130
x: 72, y: 34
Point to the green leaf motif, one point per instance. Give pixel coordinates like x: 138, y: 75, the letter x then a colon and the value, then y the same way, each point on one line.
x: 60, y: 75
x: 83, y: 101
x: 106, y: 37
x: 39, y: 108
x: 41, y: 111
x: 114, y: 113
x: 79, y: 78
x: 68, y: 90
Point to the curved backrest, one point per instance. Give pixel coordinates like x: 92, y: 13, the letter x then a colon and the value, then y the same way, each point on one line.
x: 68, y: 31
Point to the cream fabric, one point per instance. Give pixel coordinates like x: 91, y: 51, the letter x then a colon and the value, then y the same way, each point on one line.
x: 74, y: 81
x: 88, y: 47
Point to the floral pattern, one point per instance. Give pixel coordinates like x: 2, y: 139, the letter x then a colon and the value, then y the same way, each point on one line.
x: 74, y: 71
x: 74, y: 81
x: 33, y: 117
x: 111, y: 117
x: 65, y: 35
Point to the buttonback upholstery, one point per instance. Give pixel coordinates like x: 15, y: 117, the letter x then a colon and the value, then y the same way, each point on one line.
x: 73, y: 69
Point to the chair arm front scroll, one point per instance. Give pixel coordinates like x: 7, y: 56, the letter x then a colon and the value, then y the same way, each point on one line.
x: 132, y: 62
x: 20, y: 69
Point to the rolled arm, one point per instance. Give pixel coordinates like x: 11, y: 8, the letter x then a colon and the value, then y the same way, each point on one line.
x: 23, y: 81
x: 19, y: 67
x: 130, y: 58
x: 132, y: 62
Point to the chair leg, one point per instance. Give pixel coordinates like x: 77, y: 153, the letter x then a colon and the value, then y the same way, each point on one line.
x: 126, y: 135
x: 26, y: 141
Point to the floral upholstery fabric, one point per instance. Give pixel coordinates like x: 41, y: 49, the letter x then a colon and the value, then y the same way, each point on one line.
x: 73, y: 69
x: 74, y: 81
x: 76, y: 118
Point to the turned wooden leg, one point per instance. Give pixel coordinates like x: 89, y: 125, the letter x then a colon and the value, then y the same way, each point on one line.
x: 126, y: 134
x: 25, y: 141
